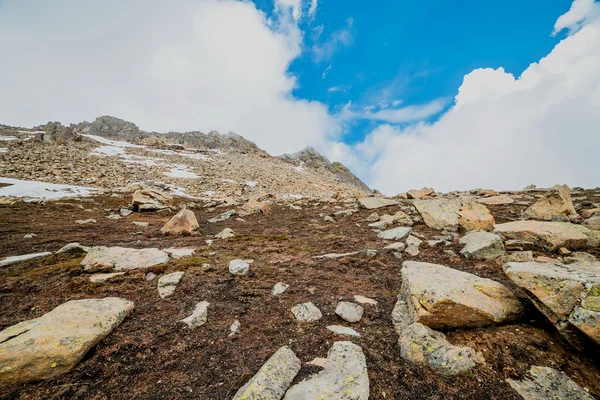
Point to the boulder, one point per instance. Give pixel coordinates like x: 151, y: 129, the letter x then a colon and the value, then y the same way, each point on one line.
x: 168, y: 283
x: 349, y: 311
x: 445, y: 298
x: 372, y: 203
x: 184, y: 222
x: 373, y: 217
x: 73, y: 248
x: 593, y: 223
x: 344, y: 376
x: 499, y: 200
x: 273, y: 379
x: 475, y: 217
x: 101, y: 258
x: 97, y: 278
x: 150, y: 200
x: 199, y: 315
x: 440, y: 214
x: 591, y: 212
x: 179, y: 253
x: 549, y: 235
x: 254, y: 207
x: 240, y: 267
x: 568, y: 295
x: 481, y: 245
x: 422, y: 194
x: 279, y: 288
x: 548, y: 384
x: 222, y: 217
x: 412, y: 245
x: 398, y: 233
x: 399, y: 218
x: 553, y: 205
x: 225, y: 234
x: 54, y: 343
x: 343, y: 330
x: 423, y: 345
x: 306, y: 312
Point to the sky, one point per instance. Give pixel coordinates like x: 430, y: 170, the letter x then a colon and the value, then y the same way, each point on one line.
x: 406, y: 94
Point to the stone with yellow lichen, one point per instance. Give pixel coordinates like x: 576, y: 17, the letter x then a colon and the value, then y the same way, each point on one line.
x: 54, y: 343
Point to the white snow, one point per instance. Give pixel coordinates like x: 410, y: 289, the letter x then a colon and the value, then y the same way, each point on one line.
x: 251, y: 183
x: 115, y: 143
x: 14, y: 259
x: 8, y: 138
x: 181, y: 171
x: 299, y: 168
x: 228, y: 181
x: 41, y: 190
x: 108, y: 151
x: 187, y: 154
x: 292, y: 196
x: 3, y: 149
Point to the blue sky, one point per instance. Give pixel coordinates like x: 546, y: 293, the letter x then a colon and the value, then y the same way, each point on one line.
x: 416, y: 51
x: 407, y: 94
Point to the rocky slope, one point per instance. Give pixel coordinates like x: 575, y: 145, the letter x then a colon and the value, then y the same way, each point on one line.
x: 141, y: 293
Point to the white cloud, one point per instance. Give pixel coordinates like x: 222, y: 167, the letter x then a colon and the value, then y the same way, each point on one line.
x: 393, y: 115
x: 324, y: 74
x: 581, y: 12
x: 185, y: 65
x: 334, y: 89
x: 313, y: 8
x: 337, y: 40
x: 503, y: 132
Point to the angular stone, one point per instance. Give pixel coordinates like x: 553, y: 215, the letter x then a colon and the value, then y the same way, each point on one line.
x: 593, y: 223
x: 254, y: 207
x: 97, y: 278
x: 554, y: 203
x: 349, y: 311
x: 398, y: 246
x: 199, y: 315
x: 240, y: 267
x: 103, y: 258
x: 372, y: 203
x: 398, y: 233
x: 168, y: 283
x: 379, y: 225
x: 422, y: 194
x: 222, y: 217
x: 279, y: 288
x: 548, y: 384
x: 15, y: 259
x: 566, y: 294
x: 179, y: 253
x: 592, y: 212
x: 73, y: 248
x: 150, y: 200
x: 412, y: 245
x: 499, y: 200
x: 364, y: 300
x: 306, y: 312
x: 423, y: 345
x: 399, y: 218
x: 343, y: 330
x: 225, y: 234
x: 440, y: 214
x: 481, y: 245
x: 344, y: 376
x: 54, y: 343
x: 373, y: 217
x: 444, y: 298
x: 184, y: 222
x: 549, y: 235
x: 475, y: 217
x: 580, y: 257
x: 273, y: 379
x: 519, y: 256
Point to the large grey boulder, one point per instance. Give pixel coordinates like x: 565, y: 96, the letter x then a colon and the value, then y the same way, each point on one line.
x: 444, y: 298
x: 344, y: 376
x: 273, y: 379
x: 482, y: 245
x: 423, y: 345
x: 555, y: 204
x: 168, y: 283
x: 548, y: 384
x: 549, y: 235
x: 306, y: 312
x: 398, y: 233
x: 568, y: 295
x: 440, y: 214
x: 349, y: 311
x: 372, y: 203
x: 102, y: 258
x: 54, y: 343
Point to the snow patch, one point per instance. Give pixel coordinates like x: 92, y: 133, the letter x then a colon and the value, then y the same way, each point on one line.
x: 181, y: 171
x: 8, y: 138
x: 42, y: 190
x: 251, y: 183
x: 3, y: 149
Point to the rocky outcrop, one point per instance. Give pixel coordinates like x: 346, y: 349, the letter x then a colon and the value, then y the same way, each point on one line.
x: 548, y: 384
x: 440, y: 214
x: 372, y: 203
x: 445, y: 298
x: 475, y: 217
x: 549, y: 235
x: 422, y: 194
x: 54, y: 343
x: 554, y: 205
x: 273, y: 379
x: 423, y: 345
x: 150, y: 199
x: 102, y: 258
x: 55, y: 132
x: 568, y: 295
x: 112, y: 128
x: 344, y: 376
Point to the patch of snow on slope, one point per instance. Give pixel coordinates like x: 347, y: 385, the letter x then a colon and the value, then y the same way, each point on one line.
x: 181, y: 171
x: 8, y: 138
x: 41, y: 190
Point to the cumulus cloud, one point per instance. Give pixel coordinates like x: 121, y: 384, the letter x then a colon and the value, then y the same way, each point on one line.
x: 581, y: 12
x: 184, y: 65
x: 398, y: 115
x: 503, y: 131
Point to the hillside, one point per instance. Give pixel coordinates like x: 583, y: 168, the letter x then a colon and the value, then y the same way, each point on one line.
x: 150, y: 266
